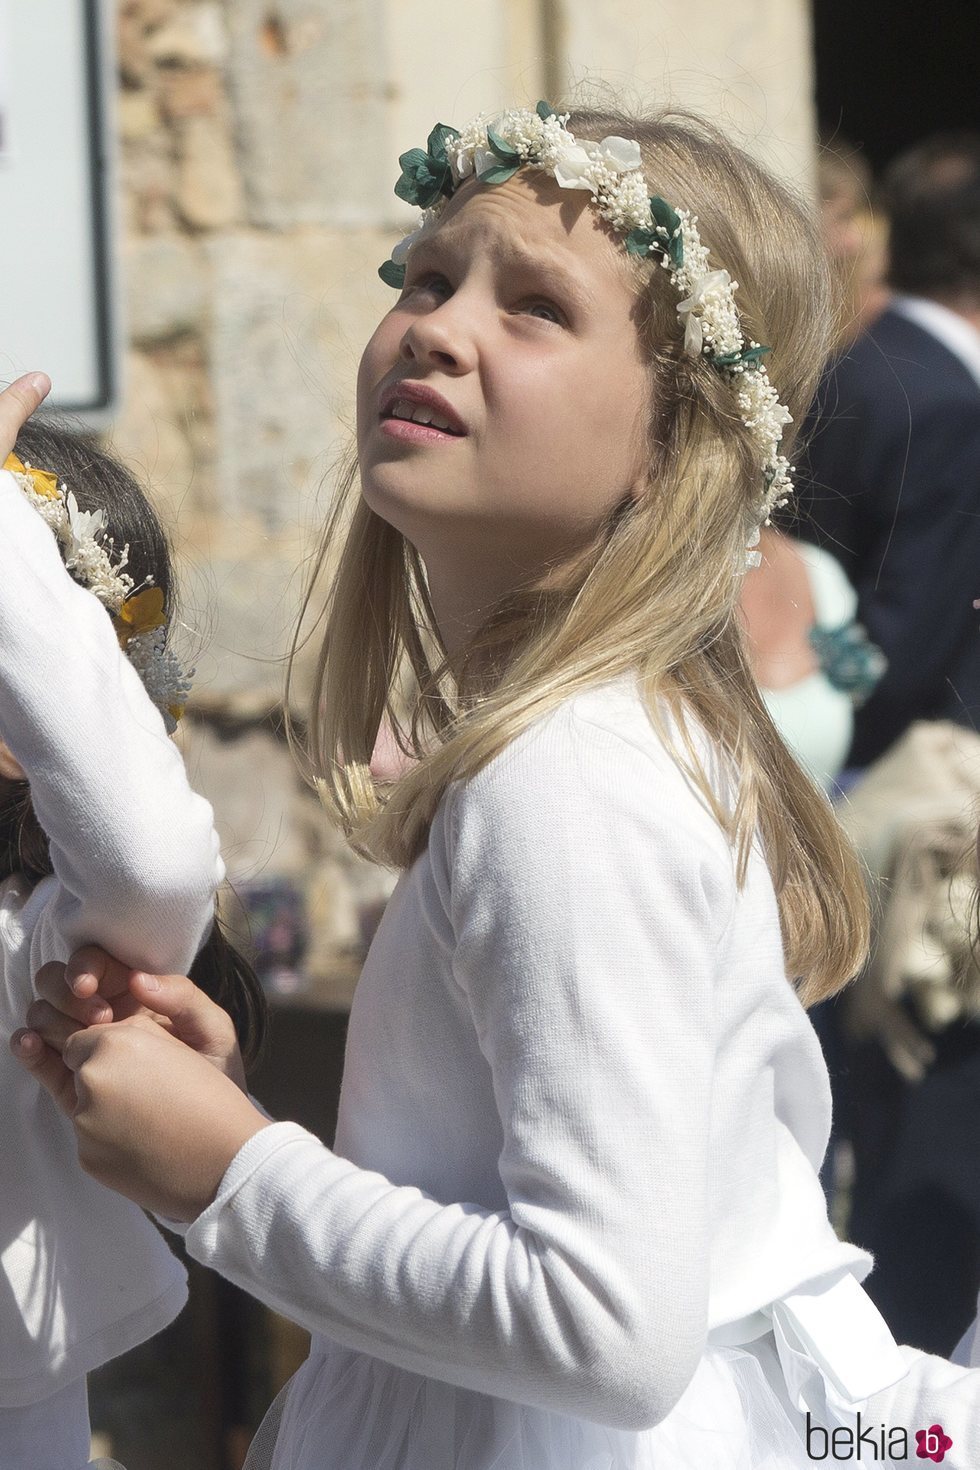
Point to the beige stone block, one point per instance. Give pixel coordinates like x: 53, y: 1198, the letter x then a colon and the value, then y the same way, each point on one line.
x: 194, y: 36
x: 197, y: 91
x: 492, y: 58
x: 138, y: 115
x: 147, y: 435
x: 148, y: 178
x: 209, y: 193
x: 167, y: 279
x: 289, y: 318
x: 132, y: 57
x: 748, y: 67
x: 309, y: 87
x: 150, y: 13
x: 251, y: 781
x: 241, y: 590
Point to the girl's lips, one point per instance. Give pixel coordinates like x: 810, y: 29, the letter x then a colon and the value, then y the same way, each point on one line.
x: 416, y: 433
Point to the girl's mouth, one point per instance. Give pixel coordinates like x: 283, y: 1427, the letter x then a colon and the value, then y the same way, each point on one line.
x: 414, y: 433
x: 417, y: 414
x: 418, y: 423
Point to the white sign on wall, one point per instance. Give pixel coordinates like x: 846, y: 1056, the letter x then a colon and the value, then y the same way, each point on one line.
x: 57, y: 280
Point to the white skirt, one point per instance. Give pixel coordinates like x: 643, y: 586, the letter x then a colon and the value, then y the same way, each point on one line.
x: 345, y: 1410
x: 744, y: 1409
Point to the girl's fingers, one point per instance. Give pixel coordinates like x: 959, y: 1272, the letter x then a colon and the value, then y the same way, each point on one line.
x: 51, y: 1025
x: 51, y: 985
x: 46, y: 1065
x: 17, y: 403
x: 92, y: 970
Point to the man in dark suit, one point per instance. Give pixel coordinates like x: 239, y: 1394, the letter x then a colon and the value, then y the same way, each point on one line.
x: 891, y: 486
x: 891, y: 481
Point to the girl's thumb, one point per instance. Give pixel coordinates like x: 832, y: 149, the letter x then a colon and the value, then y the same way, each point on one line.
x: 193, y: 1016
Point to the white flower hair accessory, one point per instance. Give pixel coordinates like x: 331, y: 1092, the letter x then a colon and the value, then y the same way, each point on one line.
x: 493, y: 148
x: 94, y: 562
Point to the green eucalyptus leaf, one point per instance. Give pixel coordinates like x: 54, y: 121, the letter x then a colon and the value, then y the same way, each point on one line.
x: 425, y: 176
x: 503, y: 150
x: 753, y: 355
x: 664, y: 215
x: 639, y: 242
x: 428, y: 192
x: 676, y: 251
x: 441, y: 135
x: 392, y: 274
x: 499, y: 175
x: 407, y: 186
x: 545, y: 110
x: 748, y: 357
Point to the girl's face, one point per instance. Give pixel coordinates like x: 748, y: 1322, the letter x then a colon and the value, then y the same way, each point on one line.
x: 519, y: 314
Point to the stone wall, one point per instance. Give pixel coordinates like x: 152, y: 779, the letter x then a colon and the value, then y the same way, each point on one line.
x: 258, y: 142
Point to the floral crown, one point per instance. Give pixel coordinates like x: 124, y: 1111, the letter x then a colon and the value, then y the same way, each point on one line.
x: 493, y: 149
x: 92, y: 559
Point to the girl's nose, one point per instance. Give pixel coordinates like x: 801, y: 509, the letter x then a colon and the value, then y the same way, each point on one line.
x: 440, y: 338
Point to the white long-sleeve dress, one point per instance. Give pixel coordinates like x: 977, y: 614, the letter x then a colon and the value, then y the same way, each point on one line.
x: 83, y: 1274
x: 571, y: 1219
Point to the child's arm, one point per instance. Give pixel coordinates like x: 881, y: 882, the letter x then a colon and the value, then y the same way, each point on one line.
x: 133, y: 847
x: 589, y: 977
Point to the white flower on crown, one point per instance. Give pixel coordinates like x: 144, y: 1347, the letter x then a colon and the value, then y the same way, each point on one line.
x: 401, y: 251
x: 709, y: 299
x: 165, y: 681
x: 91, y: 562
x: 762, y: 413
x: 83, y: 523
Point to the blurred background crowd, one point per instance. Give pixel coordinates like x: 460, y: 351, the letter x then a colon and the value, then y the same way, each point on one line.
x: 253, y: 146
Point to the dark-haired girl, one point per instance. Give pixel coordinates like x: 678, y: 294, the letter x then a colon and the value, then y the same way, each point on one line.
x: 102, y: 841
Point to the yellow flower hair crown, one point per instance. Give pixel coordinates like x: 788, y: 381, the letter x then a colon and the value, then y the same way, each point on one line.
x: 94, y: 562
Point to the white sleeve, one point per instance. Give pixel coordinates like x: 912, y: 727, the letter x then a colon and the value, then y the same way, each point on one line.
x: 587, y: 922
x: 133, y: 848
x: 934, y: 1392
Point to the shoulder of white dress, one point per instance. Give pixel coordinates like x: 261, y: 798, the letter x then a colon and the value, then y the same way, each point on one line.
x: 834, y: 599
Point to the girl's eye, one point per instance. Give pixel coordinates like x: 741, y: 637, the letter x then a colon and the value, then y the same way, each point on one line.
x: 545, y: 311
x: 430, y: 281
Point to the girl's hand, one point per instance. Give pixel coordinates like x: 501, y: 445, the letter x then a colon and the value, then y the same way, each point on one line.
x: 154, y: 1120
x: 94, y: 988
x: 17, y: 403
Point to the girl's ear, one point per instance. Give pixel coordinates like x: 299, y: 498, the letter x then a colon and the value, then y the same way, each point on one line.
x: 10, y: 768
x: 639, y: 487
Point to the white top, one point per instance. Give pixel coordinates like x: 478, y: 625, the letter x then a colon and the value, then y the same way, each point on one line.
x: 948, y: 327
x: 580, y: 1125
x: 815, y: 719
x: 83, y: 1274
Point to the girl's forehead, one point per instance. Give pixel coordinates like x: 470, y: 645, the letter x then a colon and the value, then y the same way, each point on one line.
x: 526, y: 219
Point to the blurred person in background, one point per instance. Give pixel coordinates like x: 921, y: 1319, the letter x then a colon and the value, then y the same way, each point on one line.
x: 808, y: 653
x: 894, y: 491
x: 811, y: 659
x: 893, y: 482
x: 855, y: 234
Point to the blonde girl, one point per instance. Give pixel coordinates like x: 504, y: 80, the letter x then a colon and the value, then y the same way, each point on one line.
x: 571, y: 1219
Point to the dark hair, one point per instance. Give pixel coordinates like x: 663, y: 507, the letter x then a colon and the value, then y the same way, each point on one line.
x: 102, y: 483
x: 932, y: 197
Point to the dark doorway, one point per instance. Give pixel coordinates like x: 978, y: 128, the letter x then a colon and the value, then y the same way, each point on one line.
x: 890, y: 72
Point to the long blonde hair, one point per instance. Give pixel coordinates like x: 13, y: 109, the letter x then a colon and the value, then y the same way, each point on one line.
x: 656, y: 593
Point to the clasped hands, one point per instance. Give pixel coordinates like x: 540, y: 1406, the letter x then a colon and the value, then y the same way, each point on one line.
x: 149, y: 1072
